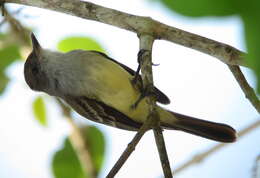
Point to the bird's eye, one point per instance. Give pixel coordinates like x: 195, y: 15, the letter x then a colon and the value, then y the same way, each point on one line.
x: 35, y: 70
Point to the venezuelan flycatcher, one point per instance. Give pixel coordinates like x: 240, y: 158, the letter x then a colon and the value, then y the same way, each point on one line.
x: 101, y: 89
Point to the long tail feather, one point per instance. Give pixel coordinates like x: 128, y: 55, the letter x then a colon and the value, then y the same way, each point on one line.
x: 206, y: 129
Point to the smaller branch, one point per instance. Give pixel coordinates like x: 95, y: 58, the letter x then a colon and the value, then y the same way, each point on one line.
x: 146, y: 43
x: 162, y: 151
x: 130, y: 148
x: 200, y: 157
x: 79, y: 143
x: 248, y: 91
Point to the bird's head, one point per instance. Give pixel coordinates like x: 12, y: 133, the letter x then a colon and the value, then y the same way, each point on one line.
x: 34, y: 74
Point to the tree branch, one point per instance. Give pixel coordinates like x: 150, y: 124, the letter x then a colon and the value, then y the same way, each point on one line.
x: 160, y: 143
x: 146, y: 43
x: 141, y: 25
x: 248, y: 91
x: 130, y: 148
x: 200, y: 157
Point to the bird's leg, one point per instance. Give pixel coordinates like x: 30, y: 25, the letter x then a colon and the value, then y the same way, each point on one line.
x: 137, y: 77
x: 138, y: 82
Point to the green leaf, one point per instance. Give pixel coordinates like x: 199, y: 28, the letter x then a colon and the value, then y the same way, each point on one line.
x: 39, y: 111
x: 198, y: 8
x: 252, y: 30
x: 96, y: 144
x: 72, y: 43
x: 4, y: 80
x: 65, y: 162
x: 8, y: 55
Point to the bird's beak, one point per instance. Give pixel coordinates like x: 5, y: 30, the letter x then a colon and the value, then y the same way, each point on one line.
x: 36, y: 45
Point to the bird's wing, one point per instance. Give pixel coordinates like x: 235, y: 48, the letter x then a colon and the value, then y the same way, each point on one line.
x: 161, y: 97
x: 99, y: 112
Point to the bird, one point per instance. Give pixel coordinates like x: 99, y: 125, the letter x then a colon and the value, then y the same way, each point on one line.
x: 101, y: 89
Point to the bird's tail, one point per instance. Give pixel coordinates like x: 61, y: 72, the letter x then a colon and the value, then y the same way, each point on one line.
x: 211, y: 130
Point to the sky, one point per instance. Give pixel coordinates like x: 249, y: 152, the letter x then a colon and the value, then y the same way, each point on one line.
x: 197, y: 84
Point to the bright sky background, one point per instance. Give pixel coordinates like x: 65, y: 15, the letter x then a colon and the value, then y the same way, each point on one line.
x: 197, y: 84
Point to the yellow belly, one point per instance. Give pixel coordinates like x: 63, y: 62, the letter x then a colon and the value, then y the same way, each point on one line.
x: 116, y: 90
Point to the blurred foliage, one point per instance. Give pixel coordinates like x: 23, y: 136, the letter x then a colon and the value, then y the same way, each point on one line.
x: 3, y: 82
x: 65, y: 162
x: 249, y: 11
x: 72, y: 43
x: 8, y: 54
x: 39, y: 111
x: 95, y: 141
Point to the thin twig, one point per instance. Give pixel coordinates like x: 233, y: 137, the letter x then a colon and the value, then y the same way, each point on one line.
x: 200, y: 157
x: 146, y: 43
x: 130, y: 148
x: 248, y: 91
x: 141, y: 25
x: 162, y: 152
x: 79, y: 144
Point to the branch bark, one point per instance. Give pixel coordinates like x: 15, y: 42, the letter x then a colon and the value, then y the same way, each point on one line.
x: 248, y: 91
x: 146, y: 43
x: 141, y: 25
x: 130, y: 148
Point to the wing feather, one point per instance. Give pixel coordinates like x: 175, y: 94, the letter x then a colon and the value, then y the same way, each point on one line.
x: 99, y: 112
